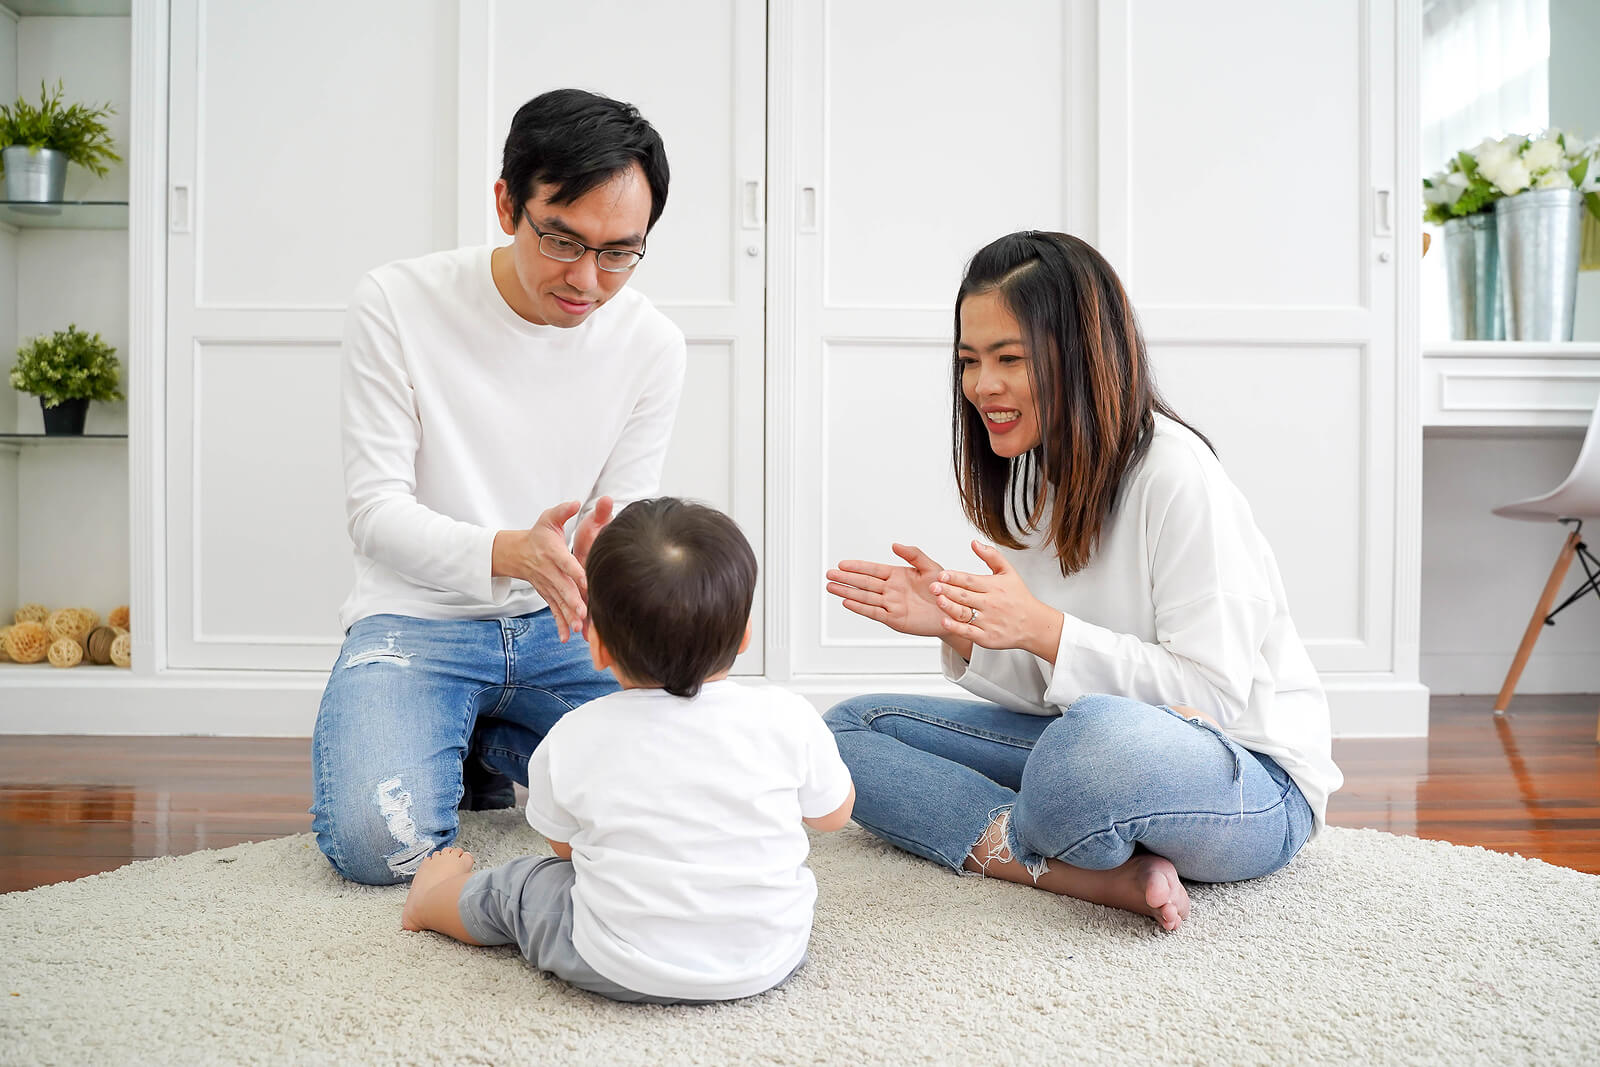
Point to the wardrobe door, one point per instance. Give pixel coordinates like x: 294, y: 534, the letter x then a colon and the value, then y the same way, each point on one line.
x: 905, y: 136
x: 696, y: 69
x: 288, y: 181
x: 1259, y: 233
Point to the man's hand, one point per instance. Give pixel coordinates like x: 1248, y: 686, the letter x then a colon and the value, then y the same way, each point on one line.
x: 539, y: 556
x: 590, y: 528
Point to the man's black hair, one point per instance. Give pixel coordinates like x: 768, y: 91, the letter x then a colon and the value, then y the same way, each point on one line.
x: 574, y: 141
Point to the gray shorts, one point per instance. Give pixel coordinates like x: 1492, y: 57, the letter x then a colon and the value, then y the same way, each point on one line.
x: 528, y: 903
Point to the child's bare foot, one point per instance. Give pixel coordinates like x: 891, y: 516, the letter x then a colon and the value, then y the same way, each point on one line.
x: 443, y: 864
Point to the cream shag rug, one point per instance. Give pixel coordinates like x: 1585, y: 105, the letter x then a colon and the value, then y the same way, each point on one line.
x: 1369, y: 948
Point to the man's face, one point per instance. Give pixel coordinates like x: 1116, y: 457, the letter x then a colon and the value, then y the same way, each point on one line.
x: 549, y: 292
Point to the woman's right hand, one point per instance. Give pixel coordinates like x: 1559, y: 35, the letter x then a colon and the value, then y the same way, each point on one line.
x: 898, y: 597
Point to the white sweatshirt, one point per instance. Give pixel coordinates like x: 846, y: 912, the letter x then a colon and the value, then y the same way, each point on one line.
x: 461, y: 419
x: 1181, y: 603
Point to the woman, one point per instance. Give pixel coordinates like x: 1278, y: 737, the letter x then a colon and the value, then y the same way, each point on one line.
x: 1148, y: 711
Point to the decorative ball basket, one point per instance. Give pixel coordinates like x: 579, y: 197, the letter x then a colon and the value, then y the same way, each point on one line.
x: 27, y: 642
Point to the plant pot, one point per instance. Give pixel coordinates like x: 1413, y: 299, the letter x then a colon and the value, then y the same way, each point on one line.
x: 66, y: 417
x: 1540, y: 236
x: 1472, y: 267
x: 34, y: 175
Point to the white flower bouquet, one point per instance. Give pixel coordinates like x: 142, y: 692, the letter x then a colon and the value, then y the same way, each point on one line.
x: 1477, y: 177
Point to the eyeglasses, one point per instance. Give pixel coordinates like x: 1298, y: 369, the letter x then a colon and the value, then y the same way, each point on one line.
x: 566, y: 250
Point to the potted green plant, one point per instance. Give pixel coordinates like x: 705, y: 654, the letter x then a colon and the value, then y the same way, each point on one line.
x: 65, y: 371
x: 37, y: 143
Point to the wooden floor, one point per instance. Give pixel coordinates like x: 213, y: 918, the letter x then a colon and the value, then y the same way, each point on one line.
x: 71, y: 806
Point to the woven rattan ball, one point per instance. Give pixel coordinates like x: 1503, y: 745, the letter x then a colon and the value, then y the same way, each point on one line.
x: 27, y: 642
x: 90, y: 616
x: 68, y: 622
x: 118, y: 617
x: 98, y: 644
x: 5, y: 657
x: 122, y: 651
x: 31, y: 613
x: 65, y: 652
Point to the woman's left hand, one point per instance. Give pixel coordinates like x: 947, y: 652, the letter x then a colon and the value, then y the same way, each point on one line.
x: 996, y: 610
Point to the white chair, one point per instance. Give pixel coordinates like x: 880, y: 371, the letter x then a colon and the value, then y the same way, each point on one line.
x: 1570, y: 503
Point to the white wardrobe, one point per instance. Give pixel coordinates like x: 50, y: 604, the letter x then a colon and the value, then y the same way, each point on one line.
x: 833, y: 165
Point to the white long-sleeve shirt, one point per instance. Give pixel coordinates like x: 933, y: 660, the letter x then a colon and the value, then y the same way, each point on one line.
x: 461, y: 419
x: 1181, y: 603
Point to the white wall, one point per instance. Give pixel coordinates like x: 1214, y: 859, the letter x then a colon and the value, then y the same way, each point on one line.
x: 1481, y: 574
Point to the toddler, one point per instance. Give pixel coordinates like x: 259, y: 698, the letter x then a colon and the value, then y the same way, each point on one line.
x: 674, y: 807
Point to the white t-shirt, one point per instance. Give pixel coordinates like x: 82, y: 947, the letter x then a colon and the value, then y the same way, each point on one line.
x: 1181, y: 603
x: 460, y: 419
x: 684, y: 821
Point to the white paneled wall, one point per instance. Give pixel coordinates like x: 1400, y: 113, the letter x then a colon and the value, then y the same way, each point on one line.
x: 1268, y: 291
x: 286, y: 199
x: 916, y: 141
x: 705, y: 264
x: 834, y: 165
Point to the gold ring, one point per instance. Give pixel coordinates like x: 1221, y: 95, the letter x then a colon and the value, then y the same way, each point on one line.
x: 973, y: 617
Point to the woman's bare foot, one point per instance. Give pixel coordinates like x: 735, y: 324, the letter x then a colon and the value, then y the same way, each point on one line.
x: 442, y: 865
x: 1146, y: 884
x: 1161, y: 891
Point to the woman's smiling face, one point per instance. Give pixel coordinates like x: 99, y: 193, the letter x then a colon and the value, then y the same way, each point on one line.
x: 994, y: 374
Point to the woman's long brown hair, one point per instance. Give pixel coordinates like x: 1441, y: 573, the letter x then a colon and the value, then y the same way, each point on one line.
x: 1091, y: 383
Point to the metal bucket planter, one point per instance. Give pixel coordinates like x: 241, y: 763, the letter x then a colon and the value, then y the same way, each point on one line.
x: 1472, y: 261
x: 34, y: 175
x: 1540, y: 234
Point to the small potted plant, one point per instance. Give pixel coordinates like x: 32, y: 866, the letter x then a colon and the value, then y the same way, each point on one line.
x: 39, y: 142
x: 65, y: 371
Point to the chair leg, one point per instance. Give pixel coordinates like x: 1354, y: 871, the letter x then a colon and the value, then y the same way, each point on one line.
x: 1558, y: 574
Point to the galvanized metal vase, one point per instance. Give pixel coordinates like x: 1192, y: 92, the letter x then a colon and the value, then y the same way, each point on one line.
x: 1541, y: 235
x: 34, y: 175
x: 1472, y: 261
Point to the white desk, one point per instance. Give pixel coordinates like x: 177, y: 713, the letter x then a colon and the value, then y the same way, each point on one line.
x: 1514, y: 385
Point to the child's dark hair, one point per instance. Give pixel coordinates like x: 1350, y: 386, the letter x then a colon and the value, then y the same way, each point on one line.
x: 670, y: 588
x: 577, y: 140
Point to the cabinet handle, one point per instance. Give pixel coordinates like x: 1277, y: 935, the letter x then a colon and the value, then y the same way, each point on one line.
x: 751, y: 203
x: 182, y: 214
x: 808, y: 209
x: 1382, y: 225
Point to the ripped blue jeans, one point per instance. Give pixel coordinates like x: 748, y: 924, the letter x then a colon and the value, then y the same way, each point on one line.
x: 1084, y: 788
x: 405, y: 701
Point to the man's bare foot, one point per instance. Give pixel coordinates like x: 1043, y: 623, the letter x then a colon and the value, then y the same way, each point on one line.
x: 443, y: 864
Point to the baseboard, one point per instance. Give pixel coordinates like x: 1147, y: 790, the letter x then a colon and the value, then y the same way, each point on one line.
x: 1376, y: 706
x: 104, y: 700
x: 36, y: 700
x: 1453, y: 673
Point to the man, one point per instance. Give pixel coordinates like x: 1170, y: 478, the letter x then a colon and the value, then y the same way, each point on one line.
x: 484, y: 389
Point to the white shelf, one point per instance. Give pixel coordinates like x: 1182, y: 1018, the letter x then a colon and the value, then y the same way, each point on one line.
x: 1512, y: 350
x: 1509, y: 386
x: 68, y: 8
